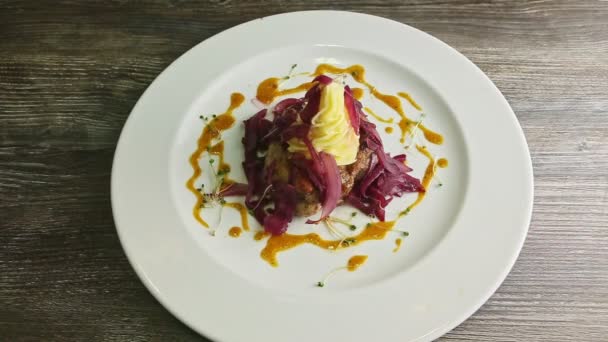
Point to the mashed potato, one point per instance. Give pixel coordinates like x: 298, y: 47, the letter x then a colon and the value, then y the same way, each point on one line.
x: 331, y: 131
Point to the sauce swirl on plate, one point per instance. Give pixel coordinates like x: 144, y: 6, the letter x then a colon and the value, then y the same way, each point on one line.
x: 211, y: 132
x: 429, y: 173
x: 269, y: 90
x: 280, y: 243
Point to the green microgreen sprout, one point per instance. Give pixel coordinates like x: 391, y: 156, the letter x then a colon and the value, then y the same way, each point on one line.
x: 345, y: 241
x: 289, y: 75
x: 332, y: 229
x: 414, y: 132
x: 328, y: 275
x: 435, y: 176
x: 214, y: 197
x: 400, y: 232
x: 334, y: 219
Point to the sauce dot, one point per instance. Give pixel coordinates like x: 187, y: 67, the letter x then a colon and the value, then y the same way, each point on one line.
x: 397, y: 245
x: 355, y: 262
x: 235, y: 232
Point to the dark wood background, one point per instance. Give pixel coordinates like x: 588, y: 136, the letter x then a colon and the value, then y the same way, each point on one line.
x: 70, y: 72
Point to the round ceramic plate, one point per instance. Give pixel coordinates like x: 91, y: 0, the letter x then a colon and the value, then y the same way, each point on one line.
x: 463, y: 238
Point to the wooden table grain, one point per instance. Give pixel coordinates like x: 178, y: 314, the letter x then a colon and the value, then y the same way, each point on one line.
x: 71, y: 71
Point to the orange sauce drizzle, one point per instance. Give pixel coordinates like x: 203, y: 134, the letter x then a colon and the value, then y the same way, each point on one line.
x: 212, y: 131
x: 429, y: 173
x: 405, y: 124
x: 356, y: 71
x: 218, y: 150
x: 432, y: 137
x: 442, y: 163
x: 235, y: 232
x: 357, y: 93
x: 259, y: 235
x: 268, y: 89
x: 388, y: 130
x: 242, y: 210
x: 355, y: 262
x: 378, y: 117
x: 397, y: 245
x: 410, y: 100
x: 280, y: 243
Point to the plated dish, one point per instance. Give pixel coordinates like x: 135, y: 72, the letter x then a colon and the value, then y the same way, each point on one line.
x: 462, y: 237
x: 304, y: 156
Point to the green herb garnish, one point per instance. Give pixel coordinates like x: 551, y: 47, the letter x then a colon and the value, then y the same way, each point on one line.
x: 348, y: 241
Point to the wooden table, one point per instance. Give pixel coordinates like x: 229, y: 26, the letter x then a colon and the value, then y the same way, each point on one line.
x: 71, y: 71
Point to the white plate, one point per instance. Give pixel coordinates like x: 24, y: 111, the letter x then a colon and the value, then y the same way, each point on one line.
x: 464, y: 238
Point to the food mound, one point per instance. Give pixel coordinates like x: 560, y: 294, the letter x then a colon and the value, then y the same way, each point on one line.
x: 314, y: 153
